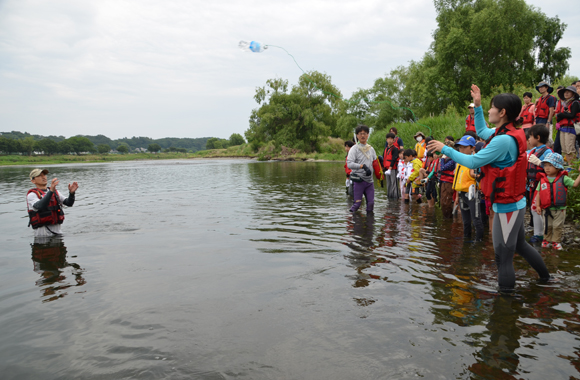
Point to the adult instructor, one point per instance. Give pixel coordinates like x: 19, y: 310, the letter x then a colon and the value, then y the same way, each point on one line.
x: 503, y: 161
x: 45, y: 203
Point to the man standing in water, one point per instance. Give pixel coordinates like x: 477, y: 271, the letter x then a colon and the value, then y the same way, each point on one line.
x: 360, y: 160
x: 45, y: 204
x: 503, y: 161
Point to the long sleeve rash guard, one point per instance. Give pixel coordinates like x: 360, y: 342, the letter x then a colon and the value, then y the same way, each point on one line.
x: 501, y: 152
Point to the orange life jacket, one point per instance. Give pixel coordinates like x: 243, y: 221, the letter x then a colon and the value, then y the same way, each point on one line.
x: 507, y: 185
x: 388, y: 158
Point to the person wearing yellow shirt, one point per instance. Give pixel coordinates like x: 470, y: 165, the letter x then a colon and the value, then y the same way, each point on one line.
x: 421, y: 145
x: 467, y: 195
x: 412, y: 187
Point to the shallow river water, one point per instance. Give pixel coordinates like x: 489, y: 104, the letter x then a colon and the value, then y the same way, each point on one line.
x: 223, y: 269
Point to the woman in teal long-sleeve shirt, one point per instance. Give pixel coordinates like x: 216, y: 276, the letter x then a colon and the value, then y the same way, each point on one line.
x: 501, y: 152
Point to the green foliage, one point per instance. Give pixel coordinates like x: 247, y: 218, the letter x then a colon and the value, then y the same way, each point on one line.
x: 123, y: 149
x: 27, y: 144
x: 154, y: 148
x: 236, y: 139
x: 296, y: 117
x: 81, y: 144
x: 47, y: 146
x: 215, y: 143
x: 103, y: 148
x: 490, y: 43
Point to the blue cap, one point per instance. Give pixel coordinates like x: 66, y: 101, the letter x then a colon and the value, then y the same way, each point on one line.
x: 466, y: 141
x: 555, y: 160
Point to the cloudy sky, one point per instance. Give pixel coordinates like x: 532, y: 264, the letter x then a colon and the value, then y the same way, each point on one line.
x: 172, y: 68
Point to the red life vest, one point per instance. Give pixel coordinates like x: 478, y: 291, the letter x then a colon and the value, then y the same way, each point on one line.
x: 388, y: 158
x: 535, y: 171
x: 494, y: 183
x: 569, y: 122
x: 346, y: 169
x: 52, y: 215
x: 446, y: 175
x: 470, y: 123
x: 553, y: 194
x: 559, y: 107
x: 542, y: 108
x: 433, y: 165
x: 527, y: 115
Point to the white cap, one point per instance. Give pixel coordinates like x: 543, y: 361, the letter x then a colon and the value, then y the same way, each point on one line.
x: 471, y: 105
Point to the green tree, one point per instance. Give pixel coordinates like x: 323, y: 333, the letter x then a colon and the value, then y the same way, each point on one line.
x: 123, y: 148
x: 490, y: 43
x: 236, y: 139
x: 65, y: 147
x: 213, y: 143
x: 103, y: 148
x: 47, y: 146
x: 81, y: 144
x: 27, y: 145
x: 297, y: 117
x: 153, y: 148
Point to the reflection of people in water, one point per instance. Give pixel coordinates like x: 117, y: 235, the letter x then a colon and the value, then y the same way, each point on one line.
x: 45, y: 203
x: 49, y: 259
x: 362, y: 257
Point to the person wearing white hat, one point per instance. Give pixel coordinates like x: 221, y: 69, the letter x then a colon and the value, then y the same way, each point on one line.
x: 568, y: 118
x: 470, y: 120
x: 45, y: 203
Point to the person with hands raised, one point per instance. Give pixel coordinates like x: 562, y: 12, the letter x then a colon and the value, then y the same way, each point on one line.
x: 45, y: 203
x: 503, y: 161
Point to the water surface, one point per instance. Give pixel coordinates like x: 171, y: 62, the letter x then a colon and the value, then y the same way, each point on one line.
x: 223, y: 269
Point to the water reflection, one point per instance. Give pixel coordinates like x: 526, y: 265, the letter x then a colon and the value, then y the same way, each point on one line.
x: 50, y: 262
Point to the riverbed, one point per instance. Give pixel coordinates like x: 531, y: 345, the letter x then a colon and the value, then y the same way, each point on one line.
x: 223, y: 269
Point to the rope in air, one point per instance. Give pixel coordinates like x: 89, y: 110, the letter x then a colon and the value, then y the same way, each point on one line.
x: 257, y: 47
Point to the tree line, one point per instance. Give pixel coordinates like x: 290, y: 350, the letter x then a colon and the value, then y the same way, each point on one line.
x: 502, y: 45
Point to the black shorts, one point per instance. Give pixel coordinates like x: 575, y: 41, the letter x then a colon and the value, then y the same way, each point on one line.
x: 431, y: 190
x: 409, y: 190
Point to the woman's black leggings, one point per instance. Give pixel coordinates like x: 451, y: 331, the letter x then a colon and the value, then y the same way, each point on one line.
x: 508, y: 238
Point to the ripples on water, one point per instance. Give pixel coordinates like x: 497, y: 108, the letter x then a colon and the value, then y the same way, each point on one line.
x: 237, y: 269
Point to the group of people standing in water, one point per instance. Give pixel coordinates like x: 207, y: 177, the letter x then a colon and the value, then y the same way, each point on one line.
x: 493, y: 173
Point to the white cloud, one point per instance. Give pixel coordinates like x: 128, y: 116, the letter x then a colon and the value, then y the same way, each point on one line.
x: 172, y: 68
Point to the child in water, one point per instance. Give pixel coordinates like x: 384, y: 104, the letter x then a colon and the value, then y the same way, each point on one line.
x: 412, y: 187
x: 349, y: 188
x: 551, y: 198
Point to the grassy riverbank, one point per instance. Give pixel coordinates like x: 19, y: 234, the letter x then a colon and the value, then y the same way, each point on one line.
x: 241, y: 151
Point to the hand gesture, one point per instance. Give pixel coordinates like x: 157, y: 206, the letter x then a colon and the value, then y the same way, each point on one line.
x: 476, y: 95
x: 435, y: 146
x: 53, y: 184
x: 72, y: 188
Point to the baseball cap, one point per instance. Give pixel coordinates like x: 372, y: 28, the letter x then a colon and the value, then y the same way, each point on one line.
x: 471, y: 105
x: 37, y: 172
x: 466, y: 141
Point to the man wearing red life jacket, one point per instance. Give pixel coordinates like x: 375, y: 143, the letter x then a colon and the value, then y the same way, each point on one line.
x: 45, y: 204
x: 527, y: 113
x: 545, y: 105
x: 503, y: 161
x: 470, y: 121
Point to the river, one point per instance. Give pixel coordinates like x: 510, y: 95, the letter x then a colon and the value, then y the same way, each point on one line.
x: 223, y: 269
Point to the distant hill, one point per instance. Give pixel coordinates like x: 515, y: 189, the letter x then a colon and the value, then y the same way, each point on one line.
x: 193, y: 145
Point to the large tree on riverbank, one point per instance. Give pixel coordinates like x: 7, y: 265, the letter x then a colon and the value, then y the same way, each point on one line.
x: 295, y: 117
x: 488, y: 42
